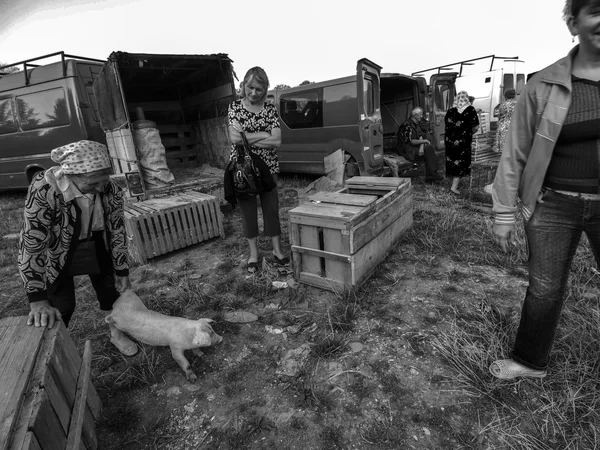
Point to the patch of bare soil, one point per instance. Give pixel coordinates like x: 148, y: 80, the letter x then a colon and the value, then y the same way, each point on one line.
x: 315, y: 371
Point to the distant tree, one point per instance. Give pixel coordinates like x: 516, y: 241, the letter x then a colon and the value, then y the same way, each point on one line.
x: 305, y: 82
x: 282, y: 86
x: 8, y: 70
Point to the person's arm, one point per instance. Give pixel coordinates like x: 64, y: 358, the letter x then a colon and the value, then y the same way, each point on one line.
x: 273, y: 141
x: 515, y: 153
x: 33, y: 246
x: 273, y: 130
x: 235, y: 136
x: 115, y: 225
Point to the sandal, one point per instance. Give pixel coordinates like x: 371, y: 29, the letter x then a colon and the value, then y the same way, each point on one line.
x: 252, y: 266
x: 281, y: 261
x: 128, y: 349
x: 500, y: 370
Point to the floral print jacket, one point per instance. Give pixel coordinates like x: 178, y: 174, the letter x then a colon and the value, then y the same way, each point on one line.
x: 50, y: 226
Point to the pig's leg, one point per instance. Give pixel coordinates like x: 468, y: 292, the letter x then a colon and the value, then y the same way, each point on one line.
x: 183, y: 363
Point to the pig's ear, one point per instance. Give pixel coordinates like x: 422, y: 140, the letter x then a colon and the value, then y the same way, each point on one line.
x: 206, y: 320
x: 201, y: 339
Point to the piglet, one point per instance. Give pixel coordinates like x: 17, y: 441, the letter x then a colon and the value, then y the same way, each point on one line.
x: 130, y: 315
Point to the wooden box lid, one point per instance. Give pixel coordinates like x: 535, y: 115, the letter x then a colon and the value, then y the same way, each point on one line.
x: 390, y: 183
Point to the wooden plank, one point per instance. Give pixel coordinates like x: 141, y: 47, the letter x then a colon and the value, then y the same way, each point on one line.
x: 336, y: 243
x: 321, y: 254
x: 309, y: 239
x: 198, y: 215
x: 373, y: 225
x: 194, y: 232
x: 63, y: 365
x: 380, y: 182
x: 294, y: 237
x: 77, y: 416
x: 317, y: 221
x: 211, y: 218
x: 45, y: 425
x: 323, y: 283
x: 343, y: 199
x: 19, y: 347
x: 177, y: 141
x: 327, y: 213
x: 368, y: 257
x: 31, y: 442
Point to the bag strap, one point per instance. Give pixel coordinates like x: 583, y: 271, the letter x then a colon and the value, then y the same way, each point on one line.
x: 245, y: 145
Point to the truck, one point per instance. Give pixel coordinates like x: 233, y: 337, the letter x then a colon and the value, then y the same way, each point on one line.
x: 49, y: 104
x: 487, y: 86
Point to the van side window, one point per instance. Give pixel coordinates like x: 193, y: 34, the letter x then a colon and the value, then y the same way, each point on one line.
x: 339, y: 104
x: 443, y: 96
x: 368, y: 96
x: 302, y: 109
x: 8, y: 124
x: 43, y: 109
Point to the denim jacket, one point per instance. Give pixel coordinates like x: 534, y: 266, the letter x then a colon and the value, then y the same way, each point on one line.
x: 535, y: 127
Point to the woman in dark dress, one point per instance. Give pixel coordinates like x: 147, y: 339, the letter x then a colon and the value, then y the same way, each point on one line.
x: 461, y: 123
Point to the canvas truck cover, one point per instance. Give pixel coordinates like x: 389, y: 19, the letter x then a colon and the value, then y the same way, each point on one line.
x: 177, y: 89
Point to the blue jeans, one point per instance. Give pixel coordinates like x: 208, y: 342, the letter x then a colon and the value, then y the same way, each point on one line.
x: 553, y: 234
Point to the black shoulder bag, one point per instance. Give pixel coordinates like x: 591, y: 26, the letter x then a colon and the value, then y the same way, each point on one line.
x: 246, y: 177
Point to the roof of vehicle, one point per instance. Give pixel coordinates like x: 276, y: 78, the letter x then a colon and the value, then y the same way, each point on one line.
x: 41, y: 74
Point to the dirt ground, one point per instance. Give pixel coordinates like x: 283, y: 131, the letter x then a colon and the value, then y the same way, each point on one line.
x: 368, y: 375
x: 314, y: 371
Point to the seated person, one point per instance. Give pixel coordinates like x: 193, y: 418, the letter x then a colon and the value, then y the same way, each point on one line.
x: 411, y: 144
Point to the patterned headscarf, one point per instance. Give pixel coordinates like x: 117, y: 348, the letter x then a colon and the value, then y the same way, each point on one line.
x: 81, y: 157
x: 461, y: 101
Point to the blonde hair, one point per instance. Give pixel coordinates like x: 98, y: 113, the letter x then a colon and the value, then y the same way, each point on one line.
x: 259, y: 75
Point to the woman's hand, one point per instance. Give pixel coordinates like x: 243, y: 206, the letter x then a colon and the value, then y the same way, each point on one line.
x: 503, y: 235
x: 122, y: 283
x: 43, y: 314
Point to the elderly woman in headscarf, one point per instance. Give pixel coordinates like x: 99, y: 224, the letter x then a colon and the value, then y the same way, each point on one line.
x: 73, y: 225
x: 461, y: 123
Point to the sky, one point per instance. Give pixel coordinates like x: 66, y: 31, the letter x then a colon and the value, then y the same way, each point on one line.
x: 313, y: 40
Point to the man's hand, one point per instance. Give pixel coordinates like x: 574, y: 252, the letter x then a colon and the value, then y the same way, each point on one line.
x: 122, y: 283
x: 43, y: 314
x: 504, y: 234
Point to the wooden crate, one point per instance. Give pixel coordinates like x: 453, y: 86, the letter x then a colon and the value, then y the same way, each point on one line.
x: 46, y: 399
x: 162, y: 225
x: 339, y: 238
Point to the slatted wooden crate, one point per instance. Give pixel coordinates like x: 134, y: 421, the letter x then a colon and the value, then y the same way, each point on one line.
x: 47, y: 401
x: 162, y: 225
x: 339, y: 238
x: 179, y: 143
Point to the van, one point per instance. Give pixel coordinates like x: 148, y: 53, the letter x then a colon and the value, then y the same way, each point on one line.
x: 47, y: 106
x: 359, y: 114
x: 43, y: 107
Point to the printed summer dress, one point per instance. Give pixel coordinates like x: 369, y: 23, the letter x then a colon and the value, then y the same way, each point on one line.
x: 266, y: 119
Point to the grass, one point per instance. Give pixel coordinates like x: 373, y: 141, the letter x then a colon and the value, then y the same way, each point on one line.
x: 560, y: 411
x: 473, y: 322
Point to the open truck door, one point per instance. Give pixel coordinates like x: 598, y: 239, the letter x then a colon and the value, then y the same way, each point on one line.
x: 442, y: 92
x: 369, y: 115
x: 114, y: 120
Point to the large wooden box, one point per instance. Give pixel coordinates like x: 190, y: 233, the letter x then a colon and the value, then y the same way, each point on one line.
x: 41, y: 378
x: 162, y: 225
x: 339, y: 238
